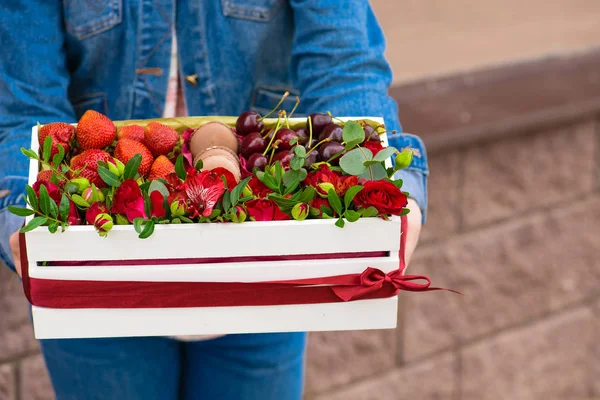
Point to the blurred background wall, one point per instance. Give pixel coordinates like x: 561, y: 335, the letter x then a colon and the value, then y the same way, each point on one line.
x: 506, y: 95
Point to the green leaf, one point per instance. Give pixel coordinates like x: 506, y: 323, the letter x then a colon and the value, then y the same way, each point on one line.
x: 350, y: 194
x: 20, y: 211
x: 340, y: 222
x: 334, y: 201
x: 176, y: 221
x: 45, y: 200
x: 403, y: 159
x: 186, y: 220
x: 404, y: 212
x: 326, y: 211
x: 368, y: 212
x: 353, y: 133
x: 58, y: 158
x: 70, y: 187
x: 34, y: 223
x: 290, y: 176
x: 237, y: 191
x: 47, y: 148
x: 371, y: 162
x: 352, y: 162
x: 398, y: 183
x: 80, y: 201
x: 374, y: 173
x: 279, y: 171
x: 31, y: 197
x: 148, y: 230
x: 296, y: 163
x: 108, y: 177
x: 351, y: 215
x: 53, y: 226
x: 158, y: 186
x: 199, y: 165
x: 291, y: 187
x: 64, y: 208
x: 300, y: 151
x: 137, y: 224
x: 53, y: 209
x: 384, y: 154
x: 29, y: 153
x: 286, y: 205
x: 132, y: 166
x: 226, y: 201
x: 268, y: 180
x: 180, y: 169
x: 308, y: 195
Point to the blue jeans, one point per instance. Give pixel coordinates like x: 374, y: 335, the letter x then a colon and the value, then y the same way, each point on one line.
x: 240, y: 367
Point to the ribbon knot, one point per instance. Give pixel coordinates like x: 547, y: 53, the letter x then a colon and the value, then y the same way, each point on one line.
x: 374, y: 283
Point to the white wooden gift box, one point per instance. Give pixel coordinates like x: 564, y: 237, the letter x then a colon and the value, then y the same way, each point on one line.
x: 82, y: 243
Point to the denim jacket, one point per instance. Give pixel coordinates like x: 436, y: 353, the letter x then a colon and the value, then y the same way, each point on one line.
x: 60, y: 58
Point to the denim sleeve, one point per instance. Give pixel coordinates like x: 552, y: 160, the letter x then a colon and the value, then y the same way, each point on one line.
x: 33, y: 88
x: 339, y: 66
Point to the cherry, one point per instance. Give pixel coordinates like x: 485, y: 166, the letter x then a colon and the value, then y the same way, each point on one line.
x: 283, y: 157
x: 253, y: 143
x: 257, y: 160
x: 248, y: 122
x: 311, y: 158
x: 285, y: 135
x: 303, y: 134
x: 319, y: 122
x: 370, y: 133
x: 330, y: 149
x: 332, y: 131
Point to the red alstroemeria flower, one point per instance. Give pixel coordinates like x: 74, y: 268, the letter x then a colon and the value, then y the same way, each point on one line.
x: 229, y: 178
x: 203, y: 191
x: 158, y: 208
x: 265, y: 210
x: 129, y: 200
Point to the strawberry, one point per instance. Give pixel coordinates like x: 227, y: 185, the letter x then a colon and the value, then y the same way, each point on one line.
x: 134, y: 132
x: 161, y: 168
x: 127, y: 148
x: 95, y: 131
x: 44, y: 176
x: 89, y: 159
x: 60, y: 132
x: 160, y: 139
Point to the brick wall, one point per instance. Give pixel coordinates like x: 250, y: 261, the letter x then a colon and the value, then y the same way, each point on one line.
x: 515, y: 225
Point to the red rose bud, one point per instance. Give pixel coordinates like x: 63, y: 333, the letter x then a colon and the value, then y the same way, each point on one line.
x: 300, y: 211
x: 178, y: 208
x: 81, y: 183
x: 93, y: 195
x: 94, y: 210
x: 403, y: 159
x: 239, y: 215
x: 247, y: 192
x: 103, y: 224
x: 323, y: 188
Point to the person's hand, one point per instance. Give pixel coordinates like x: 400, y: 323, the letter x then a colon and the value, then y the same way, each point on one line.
x: 414, y: 229
x: 14, y: 247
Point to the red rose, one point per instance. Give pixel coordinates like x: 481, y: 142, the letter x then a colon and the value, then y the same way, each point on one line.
x: 265, y: 210
x: 373, y: 145
x: 259, y: 189
x: 129, y: 201
x: 158, y: 208
x: 231, y: 182
x: 203, y: 191
x: 93, y: 211
x: 53, y: 190
x: 383, y: 195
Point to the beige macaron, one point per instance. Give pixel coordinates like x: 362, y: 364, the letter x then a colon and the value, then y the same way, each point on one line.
x: 220, y: 156
x: 213, y: 134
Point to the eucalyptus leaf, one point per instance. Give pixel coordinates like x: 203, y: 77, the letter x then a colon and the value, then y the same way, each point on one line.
x: 296, y: 163
x: 353, y: 133
x: 384, y: 154
x: 132, y: 166
x: 34, y: 223
x: 108, y: 177
x: 374, y: 173
x: 352, y: 162
x: 300, y: 151
x: 158, y: 186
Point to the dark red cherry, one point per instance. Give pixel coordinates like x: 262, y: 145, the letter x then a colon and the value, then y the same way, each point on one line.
x: 328, y: 150
x: 248, y: 122
x: 303, y: 134
x: 311, y: 158
x: 257, y: 160
x: 332, y: 131
x: 283, y: 157
x: 370, y: 133
x: 319, y: 122
x: 285, y: 135
x: 253, y: 143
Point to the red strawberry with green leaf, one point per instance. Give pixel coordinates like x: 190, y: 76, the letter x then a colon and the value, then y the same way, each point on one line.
x: 95, y: 131
x: 60, y: 132
x: 127, y: 148
x: 161, y: 168
x: 160, y: 139
x: 85, y: 165
x: 134, y: 132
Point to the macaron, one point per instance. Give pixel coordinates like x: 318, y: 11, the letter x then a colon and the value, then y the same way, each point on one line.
x: 213, y: 134
x: 220, y: 156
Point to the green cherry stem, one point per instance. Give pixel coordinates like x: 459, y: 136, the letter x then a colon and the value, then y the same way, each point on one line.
x: 286, y: 94
x: 274, y: 134
x: 318, y: 144
x: 295, y: 106
x: 309, y: 130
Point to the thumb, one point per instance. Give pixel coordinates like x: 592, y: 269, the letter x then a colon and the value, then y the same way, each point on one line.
x: 16, y: 253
